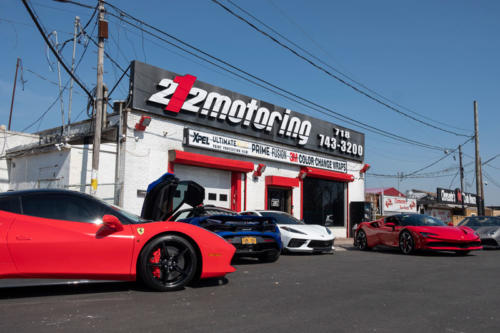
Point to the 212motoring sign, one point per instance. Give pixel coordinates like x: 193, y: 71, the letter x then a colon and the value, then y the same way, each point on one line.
x: 185, y: 98
x: 230, y: 145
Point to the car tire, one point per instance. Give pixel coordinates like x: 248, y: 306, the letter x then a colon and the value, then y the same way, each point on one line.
x: 362, y: 241
x: 462, y: 252
x: 270, y: 256
x: 167, y: 263
x: 406, y: 242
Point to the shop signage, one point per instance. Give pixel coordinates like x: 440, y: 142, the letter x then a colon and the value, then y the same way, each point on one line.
x: 455, y: 197
x: 185, y: 98
x: 236, y: 146
x: 392, y: 204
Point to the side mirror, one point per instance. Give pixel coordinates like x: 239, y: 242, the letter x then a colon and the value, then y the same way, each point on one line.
x: 112, y: 222
x: 451, y: 224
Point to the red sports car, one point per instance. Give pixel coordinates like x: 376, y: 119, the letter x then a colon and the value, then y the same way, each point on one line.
x: 71, y: 235
x: 412, y: 232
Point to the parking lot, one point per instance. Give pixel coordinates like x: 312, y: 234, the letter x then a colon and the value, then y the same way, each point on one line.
x: 350, y: 291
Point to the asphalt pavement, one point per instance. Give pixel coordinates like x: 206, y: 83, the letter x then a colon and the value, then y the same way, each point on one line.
x: 349, y: 291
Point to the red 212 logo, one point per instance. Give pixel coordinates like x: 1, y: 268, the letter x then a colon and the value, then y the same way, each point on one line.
x: 184, y: 85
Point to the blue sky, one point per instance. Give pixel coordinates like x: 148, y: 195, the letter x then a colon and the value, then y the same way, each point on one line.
x: 433, y: 57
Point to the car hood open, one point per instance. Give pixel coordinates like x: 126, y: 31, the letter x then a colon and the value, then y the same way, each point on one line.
x: 167, y: 194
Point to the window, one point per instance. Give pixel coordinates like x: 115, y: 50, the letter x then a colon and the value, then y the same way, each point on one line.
x: 324, y: 202
x: 223, y: 197
x: 63, y: 207
x: 392, y: 219
x: 10, y: 204
x: 212, y: 196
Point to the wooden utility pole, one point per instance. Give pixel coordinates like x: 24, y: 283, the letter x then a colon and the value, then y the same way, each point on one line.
x: 479, y: 180
x: 103, y: 34
x: 461, y: 174
x: 13, y: 94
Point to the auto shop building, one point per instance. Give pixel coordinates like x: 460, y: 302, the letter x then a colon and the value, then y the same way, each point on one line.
x: 247, y: 153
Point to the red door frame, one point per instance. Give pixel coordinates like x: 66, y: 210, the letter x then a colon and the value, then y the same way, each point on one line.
x: 237, y: 168
x: 283, y: 182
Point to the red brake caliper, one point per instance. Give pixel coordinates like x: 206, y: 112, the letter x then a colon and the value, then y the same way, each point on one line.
x: 155, y: 259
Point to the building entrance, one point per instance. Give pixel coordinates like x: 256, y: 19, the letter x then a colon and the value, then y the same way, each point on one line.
x: 279, y: 199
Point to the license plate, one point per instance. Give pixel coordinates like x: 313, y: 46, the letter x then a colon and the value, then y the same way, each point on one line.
x: 248, y: 240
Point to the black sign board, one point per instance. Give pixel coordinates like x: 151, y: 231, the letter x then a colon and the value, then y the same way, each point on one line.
x: 455, y: 197
x: 185, y: 98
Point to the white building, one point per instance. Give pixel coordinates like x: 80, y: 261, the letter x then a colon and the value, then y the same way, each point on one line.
x: 248, y: 154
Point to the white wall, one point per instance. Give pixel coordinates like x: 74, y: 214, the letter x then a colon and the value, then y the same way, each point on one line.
x: 8, y: 140
x: 43, y: 170
x: 81, y: 169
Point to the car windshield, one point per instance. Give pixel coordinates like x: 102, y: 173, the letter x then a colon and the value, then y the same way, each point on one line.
x: 282, y: 218
x: 483, y: 221
x: 131, y: 217
x: 421, y: 220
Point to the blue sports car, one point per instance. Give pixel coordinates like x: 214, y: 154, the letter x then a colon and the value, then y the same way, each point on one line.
x: 252, y: 236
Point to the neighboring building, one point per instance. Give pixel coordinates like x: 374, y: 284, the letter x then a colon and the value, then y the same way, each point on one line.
x: 247, y: 153
x: 445, y: 204
x: 374, y: 195
x: 10, y: 139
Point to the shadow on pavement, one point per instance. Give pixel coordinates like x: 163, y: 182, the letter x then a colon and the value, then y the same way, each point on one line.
x: 66, y: 289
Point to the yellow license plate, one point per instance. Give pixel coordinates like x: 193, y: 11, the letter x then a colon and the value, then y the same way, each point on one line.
x: 248, y: 240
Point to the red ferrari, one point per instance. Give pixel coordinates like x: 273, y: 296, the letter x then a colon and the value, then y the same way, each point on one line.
x: 71, y: 235
x: 412, y: 232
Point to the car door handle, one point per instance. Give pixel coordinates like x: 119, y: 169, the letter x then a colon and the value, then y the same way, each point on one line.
x: 23, y: 237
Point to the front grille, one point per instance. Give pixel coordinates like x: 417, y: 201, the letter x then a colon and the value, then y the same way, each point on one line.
x: 489, y: 242
x: 451, y: 244
x: 317, y: 243
x: 294, y: 242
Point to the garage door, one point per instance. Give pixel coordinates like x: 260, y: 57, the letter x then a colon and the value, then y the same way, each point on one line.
x: 217, y: 183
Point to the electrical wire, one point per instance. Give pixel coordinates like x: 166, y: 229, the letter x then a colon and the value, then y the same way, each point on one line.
x: 316, y: 107
x: 328, y: 65
x: 39, y: 27
x: 329, y: 73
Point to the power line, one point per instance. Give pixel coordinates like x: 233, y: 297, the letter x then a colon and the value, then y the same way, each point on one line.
x: 317, y: 107
x: 329, y: 73
x: 54, y: 51
x: 282, y: 12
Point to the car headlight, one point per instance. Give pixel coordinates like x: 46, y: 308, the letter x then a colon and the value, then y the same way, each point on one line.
x: 293, y: 230
x: 328, y: 231
x: 491, y: 233
x: 427, y: 234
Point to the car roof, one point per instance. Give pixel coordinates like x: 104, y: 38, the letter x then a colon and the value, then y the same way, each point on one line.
x: 40, y: 191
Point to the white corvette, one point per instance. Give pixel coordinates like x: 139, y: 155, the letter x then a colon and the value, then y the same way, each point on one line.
x: 298, y: 236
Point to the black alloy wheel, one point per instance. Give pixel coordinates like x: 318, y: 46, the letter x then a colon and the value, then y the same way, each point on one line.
x: 406, y: 243
x: 361, y: 240
x: 167, y: 263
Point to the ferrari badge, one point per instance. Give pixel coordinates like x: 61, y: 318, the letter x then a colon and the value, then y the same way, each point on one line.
x: 140, y: 231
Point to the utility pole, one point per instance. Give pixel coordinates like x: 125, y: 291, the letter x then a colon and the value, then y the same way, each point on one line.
x: 461, y: 176
x: 75, y: 33
x: 13, y: 93
x: 479, y: 180
x: 60, y: 82
x: 103, y: 34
